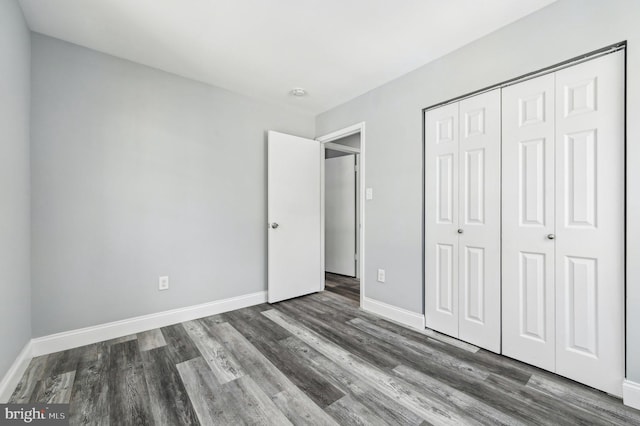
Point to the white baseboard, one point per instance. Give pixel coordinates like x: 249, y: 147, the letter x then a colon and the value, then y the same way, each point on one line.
x: 86, y: 336
x: 403, y: 316
x: 13, y: 376
x: 631, y: 394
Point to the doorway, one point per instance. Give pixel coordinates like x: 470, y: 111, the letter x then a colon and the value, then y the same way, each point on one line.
x: 341, y: 221
x: 342, y: 209
x: 296, y: 212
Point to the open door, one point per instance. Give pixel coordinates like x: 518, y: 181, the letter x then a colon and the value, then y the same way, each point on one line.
x: 294, y: 184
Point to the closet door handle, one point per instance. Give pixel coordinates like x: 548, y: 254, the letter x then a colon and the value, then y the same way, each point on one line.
x: 460, y: 231
x: 551, y: 237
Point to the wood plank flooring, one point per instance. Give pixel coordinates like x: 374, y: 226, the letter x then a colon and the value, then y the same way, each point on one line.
x: 316, y: 360
x: 348, y: 287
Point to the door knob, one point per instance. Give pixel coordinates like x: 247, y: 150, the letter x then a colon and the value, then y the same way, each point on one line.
x: 460, y: 231
x: 551, y: 236
x: 274, y: 225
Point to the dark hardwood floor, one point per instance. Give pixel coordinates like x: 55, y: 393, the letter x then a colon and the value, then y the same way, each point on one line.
x: 313, y: 360
x: 348, y: 287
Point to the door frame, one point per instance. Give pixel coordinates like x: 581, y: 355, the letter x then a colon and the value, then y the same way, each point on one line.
x: 327, y: 139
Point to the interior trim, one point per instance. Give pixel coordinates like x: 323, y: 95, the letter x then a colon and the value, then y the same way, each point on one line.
x: 402, y: 316
x: 112, y: 330
x: 631, y: 394
x: 15, y: 373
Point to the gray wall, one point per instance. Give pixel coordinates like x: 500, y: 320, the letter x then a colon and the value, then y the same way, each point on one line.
x: 138, y: 173
x: 330, y: 153
x: 15, y: 291
x: 394, y: 136
x: 352, y: 140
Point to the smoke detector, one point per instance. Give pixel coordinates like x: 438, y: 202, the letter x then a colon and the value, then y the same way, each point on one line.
x: 298, y: 91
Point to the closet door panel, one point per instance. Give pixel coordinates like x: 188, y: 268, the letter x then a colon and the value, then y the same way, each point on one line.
x: 528, y: 297
x: 479, y: 242
x: 441, y: 219
x: 590, y: 222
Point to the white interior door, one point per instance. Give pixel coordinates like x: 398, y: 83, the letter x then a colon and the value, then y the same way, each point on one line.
x: 479, y: 220
x: 340, y: 215
x: 590, y: 222
x: 294, y: 256
x: 528, y: 309
x: 441, y: 219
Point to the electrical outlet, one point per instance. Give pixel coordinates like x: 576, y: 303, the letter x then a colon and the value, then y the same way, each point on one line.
x: 163, y: 283
x: 381, y: 275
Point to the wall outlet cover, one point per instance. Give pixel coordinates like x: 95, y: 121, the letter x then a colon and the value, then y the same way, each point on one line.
x: 163, y: 283
x: 381, y: 275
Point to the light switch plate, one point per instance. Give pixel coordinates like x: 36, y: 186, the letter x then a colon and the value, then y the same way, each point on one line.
x: 369, y: 194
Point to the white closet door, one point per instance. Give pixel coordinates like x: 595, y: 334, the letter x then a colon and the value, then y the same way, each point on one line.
x: 528, y: 310
x: 441, y: 219
x: 479, y: 221
x: 590, y: 222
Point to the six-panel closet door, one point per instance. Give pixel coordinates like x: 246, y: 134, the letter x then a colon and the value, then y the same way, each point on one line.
x: 462, y: 237
x: 441, y: 219
x: 563, y: 222
x: 528, y: 222
x: 479, y: 221
x: 590, y: 218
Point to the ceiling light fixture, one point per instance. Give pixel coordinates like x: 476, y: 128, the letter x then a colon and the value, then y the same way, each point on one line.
x: 298, y: 91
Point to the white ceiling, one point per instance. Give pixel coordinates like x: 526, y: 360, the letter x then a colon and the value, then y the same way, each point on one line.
x: 335, y: 49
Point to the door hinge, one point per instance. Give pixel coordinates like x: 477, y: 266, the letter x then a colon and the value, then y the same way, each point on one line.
x: 357, y: 168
